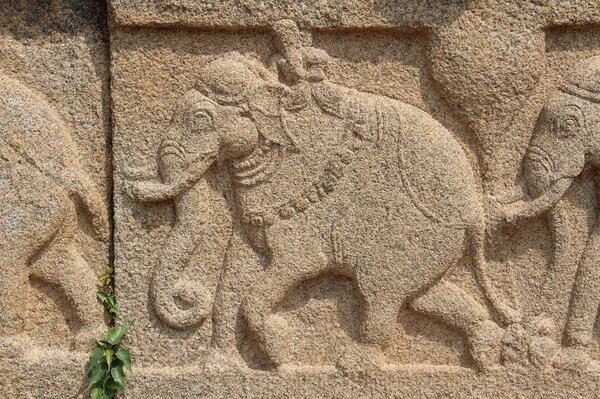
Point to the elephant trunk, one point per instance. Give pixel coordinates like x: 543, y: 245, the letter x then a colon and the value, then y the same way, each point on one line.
x: 548, y: 187
x: 544, y: 184
x: 181, y: 303
x: 561, y: 239
x: 521, y: 210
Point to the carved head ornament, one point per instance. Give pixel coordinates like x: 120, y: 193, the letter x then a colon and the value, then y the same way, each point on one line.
x: 584, y: 80
x: 237, y: 80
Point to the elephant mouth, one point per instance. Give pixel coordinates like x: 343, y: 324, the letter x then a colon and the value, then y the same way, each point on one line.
x: 257, y: 167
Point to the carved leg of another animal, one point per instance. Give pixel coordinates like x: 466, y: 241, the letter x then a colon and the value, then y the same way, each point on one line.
x: 12, y: 282
x: 288, y: 268
x: 60, y: 264
x: 583, y: 311
x: 455, y: 307
x: 241, y: 268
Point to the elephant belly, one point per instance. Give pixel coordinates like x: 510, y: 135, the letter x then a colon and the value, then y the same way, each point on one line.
x: 409, y: 250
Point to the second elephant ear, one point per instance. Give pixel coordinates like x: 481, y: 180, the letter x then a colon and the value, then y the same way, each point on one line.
x: 267, y: 106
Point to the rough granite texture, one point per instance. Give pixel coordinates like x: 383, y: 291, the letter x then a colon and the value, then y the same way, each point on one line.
x: 310, y: 199
x: 55, y: 185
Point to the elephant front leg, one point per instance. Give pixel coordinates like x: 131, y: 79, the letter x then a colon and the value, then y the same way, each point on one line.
x: 585, y: 299
x: 380, y: 311
x: 292, y: 262
x: 241, y: 268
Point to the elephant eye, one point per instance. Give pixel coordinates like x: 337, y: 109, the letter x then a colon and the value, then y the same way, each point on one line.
x: 201, y: 119
x: 568, y: 126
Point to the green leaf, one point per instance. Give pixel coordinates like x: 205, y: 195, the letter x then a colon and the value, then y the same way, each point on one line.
x: 99, y: 371
x: 118, y: 375
x: 113, y: 310
x: 115, y: 335
x: 124, y: 356
x: 108, y: 354
x: 103, y: 344
x: 95, y: 355
x: 96, y: 393
x: 103, y: 296
x: 107, y: 274
x: 108, y: 394
x: 112, y: 385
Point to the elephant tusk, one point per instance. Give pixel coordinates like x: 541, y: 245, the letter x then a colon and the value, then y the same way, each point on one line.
x: 147, y: 191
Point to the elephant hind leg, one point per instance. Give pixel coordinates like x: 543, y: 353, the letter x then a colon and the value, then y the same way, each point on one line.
x: 453, y: 306
x: 61, y: 265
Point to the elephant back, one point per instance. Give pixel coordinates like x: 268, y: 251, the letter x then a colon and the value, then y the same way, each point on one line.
x: 32, y: 132
x: 31, y: 128
x: 435, y: 170
x: 433, y: 166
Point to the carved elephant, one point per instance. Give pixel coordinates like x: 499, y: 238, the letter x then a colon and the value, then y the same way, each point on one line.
x: 328, y: 180
x: 42, y: 186
x: 566, y: 140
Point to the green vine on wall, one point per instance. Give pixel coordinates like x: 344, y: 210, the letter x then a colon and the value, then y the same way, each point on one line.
x: 108, y: 359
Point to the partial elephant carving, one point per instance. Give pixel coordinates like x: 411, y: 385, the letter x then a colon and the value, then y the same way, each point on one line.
x: 566, y: 140
x: 42, y: 188
x: 328, y: 180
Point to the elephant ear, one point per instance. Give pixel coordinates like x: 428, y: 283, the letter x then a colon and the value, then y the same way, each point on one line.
x: 267, y: 106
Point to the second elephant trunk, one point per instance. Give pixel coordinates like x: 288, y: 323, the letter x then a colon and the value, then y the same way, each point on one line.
x: 521, y: 210
x: 561, y: 239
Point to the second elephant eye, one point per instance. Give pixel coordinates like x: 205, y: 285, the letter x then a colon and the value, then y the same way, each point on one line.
x: 568, y: 126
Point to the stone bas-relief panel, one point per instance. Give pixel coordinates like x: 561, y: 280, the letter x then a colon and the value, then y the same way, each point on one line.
x: 54, y: 192
x: 365, y: 209
x: 219, y: 225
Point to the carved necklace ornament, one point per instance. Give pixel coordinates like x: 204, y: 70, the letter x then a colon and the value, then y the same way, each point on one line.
x: 312, y: 194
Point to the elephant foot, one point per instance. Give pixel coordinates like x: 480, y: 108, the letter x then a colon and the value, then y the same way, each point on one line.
x: 87, y: 335
x: 221, y: 360
x: 485, y: 345
x: 360, y: 360
x: 275, y: 333
x: 576, y: 359
x: 544, y: 337
x: 542, y: 350
x: 515, y: 347
x: 11, y: 347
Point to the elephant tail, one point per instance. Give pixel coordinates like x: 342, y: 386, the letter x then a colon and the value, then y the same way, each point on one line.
x: 88, y: 196
x: 476, y: 237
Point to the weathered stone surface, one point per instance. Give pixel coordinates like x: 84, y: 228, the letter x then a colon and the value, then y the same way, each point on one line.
x: 54, y: 192
x: 339, y: 205
x: 404, y: 14
x: 311, y: 198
